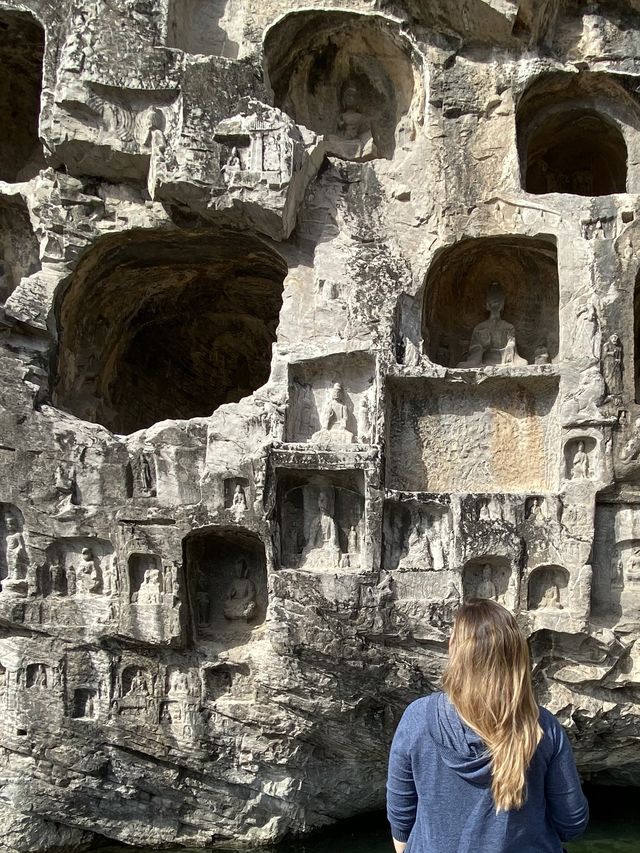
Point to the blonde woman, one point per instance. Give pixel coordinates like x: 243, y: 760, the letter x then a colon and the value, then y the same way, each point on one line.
x: 481, y: 768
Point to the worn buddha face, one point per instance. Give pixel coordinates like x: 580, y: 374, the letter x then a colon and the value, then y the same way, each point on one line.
x: 486, y: 573
x: 336, y: 392
x: 323, y: 502
x: 495, y: 298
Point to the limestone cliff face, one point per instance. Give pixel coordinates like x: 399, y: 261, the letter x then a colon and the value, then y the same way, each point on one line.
x: 314, y: 319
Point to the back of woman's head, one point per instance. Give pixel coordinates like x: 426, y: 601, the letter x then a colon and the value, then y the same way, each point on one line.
x: 488, y: 681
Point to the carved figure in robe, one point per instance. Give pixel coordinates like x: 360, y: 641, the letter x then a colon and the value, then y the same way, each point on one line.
x: 233, y: 162
x: 612, y: 367
x: 139, y: 684
x: 322, y: 548
x: 580, y: 467
x: 333, y: 419
x: 587, y: 335
x: 486, y: 588
x: 493, y: 342
x: 541, y: 355
x: 40, y: 679
x: 56, y: 576
x: 536, y: 514
x: 87, y: 575
x: 633, y: 575
x: 17, y: 557
x: 551, y: 597
x: 617, y: 572
x: 146, y: 474
x: 632, y: 446
x: 239, y: 502
x: 66, y: 487
x: 418, y: 548
x: 353, y: 541
x: 240, y: 603
x: 150, y: 591
x: 352, y: 124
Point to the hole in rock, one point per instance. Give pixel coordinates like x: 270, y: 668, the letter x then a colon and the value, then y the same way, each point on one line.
x: 166, y: 325
x: 344, y: 75
x: 227, y: 576
x: 21, y: 55
x: 570, y: 134
x: 18, y: 245
x: 492, y: 301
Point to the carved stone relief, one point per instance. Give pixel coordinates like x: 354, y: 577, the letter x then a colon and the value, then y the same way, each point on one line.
x: 490, y: 577
x: 547, y: 588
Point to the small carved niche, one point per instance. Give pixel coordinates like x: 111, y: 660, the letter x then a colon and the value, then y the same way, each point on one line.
x: 209, y: 27
x: 416, y: 536
x: 548, y: 588
x: 142, y: 476
x: 136, y: 682
x: 236, y: 494
x: 488, y: 577
x: 146, y: 580
x: 535, y: 510
x: 78, y: 566
x: 181, y: 682
x: 14, y: 557
x: 220, y: 680
x: 84, y: 704
x: 492, y: 301
x: 616, y: 560
x: 322, y: 519
x: 227, y: 576
x: 579, y: 458
x: 39, y: 675
x: 332, y: 400
x: 344, y: 75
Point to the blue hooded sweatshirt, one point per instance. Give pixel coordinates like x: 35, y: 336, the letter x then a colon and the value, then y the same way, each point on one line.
x: 439, y: 788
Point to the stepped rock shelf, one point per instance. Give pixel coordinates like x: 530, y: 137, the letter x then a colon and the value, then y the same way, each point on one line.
x: 315, y: 319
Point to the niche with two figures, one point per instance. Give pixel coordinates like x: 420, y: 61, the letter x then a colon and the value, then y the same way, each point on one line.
x: 492, y: 302
x: 322, y: 520
x: 227, y: 574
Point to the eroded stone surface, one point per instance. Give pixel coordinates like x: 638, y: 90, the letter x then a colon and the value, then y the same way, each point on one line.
x: 314, y: 321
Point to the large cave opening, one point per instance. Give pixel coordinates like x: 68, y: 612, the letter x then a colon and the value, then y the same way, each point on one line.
x: 571, y: 134
x: 21, y: 56
x: 166, y: 325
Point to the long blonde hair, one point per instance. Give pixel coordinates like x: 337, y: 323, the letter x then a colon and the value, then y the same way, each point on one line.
x: 488, y: 681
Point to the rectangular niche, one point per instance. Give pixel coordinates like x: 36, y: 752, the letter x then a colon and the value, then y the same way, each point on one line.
x: 227, y: 576
x: 417, y: 536
x: 497, y: 436
x: 321, y: 519
x: 616, y: 561
x: 332, y: 400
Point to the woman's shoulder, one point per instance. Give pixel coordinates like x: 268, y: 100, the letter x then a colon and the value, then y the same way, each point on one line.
x: 552, y: 729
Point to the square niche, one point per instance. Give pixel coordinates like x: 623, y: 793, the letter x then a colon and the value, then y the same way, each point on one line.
x: 227, y: 578
x: 322, y: 519
x: 332, y: 400
x: 417, y: 535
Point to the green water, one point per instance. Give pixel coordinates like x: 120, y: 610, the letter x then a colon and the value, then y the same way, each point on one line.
x: 614, y: 828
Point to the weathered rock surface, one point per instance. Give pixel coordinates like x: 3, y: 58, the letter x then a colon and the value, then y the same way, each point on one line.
x: 314, y: 320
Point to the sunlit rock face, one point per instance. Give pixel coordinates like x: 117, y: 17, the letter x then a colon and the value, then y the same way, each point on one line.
x: 314, y: 322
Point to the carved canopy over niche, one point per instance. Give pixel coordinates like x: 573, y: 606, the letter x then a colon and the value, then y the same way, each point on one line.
x: 462, y: 277
x: 571, y: 134
x: 342, y: 74
x: 158, y: 325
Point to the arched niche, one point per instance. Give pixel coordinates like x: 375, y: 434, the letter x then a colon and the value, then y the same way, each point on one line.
x: 490, y: 577
x: 227, y: 579
x: 548, y: 588
x: 573, y: 131
x: 460, y: 283
x: 21, y: 55
x: 345, y: 75
x: 166, y: 324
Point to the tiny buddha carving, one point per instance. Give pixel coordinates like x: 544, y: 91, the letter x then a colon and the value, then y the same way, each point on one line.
x: 418, y: 549
x: 493, y: 342
x: 486, y: 588
x: 612, y: 367
x: 551, y: 598
x: 352, y: 124
x: 239, y: 502
x: 580, y: 467
x: 16, y: 551
x: 150, y: 592
x: 240, y: 602
x: 322, y: 549
x: 87, y: 577
x: 333, y: 420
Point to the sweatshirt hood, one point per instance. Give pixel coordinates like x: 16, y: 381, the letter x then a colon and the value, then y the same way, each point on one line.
x: 460, y: 747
